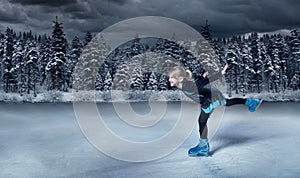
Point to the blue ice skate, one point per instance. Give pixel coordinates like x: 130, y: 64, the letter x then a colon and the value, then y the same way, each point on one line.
x: 202, y: 149
x: 253, y: 104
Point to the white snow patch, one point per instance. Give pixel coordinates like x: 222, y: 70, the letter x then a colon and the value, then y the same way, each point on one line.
x: 131, y: 96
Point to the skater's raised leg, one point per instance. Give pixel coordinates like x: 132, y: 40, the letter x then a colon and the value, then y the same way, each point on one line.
x: 252, y: 103
x: 234, y: 101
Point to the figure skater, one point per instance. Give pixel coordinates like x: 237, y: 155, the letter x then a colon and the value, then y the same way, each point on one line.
x: 208, y: 97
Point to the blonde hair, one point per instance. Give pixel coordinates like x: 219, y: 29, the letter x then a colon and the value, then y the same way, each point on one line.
x: 179, y: 71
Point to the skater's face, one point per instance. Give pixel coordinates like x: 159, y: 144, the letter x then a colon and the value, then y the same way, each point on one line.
x: 175, y: 80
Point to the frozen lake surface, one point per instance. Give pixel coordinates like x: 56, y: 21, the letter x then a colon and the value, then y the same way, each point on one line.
x: 45, y: 140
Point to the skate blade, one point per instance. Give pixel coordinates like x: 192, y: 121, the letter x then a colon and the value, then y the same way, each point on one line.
x: 259, y: 104
x: 199, y: 155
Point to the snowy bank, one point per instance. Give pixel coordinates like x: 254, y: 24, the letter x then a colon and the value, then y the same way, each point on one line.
x: 131, y: 96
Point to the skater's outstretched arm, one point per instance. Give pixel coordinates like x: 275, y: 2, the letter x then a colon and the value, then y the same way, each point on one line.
x: 218, y: 75
x: 223, y: 72
x: 213, y: 77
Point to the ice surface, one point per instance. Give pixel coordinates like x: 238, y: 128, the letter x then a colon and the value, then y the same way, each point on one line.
x: 45, y: 140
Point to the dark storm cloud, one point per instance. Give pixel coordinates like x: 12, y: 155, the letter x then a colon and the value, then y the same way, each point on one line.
x: 53, y: 3
x: 229, y: 17
x: 11, y: 14
x: 121, y: 2
x: 12, y: 17
x: 226, y: 17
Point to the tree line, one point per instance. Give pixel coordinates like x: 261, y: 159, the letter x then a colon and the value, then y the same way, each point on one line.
x: 34, y: 64
x: 268, y: 63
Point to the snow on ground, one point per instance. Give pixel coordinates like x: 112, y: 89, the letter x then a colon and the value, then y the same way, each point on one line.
x: 133, y: 96
x: 44, y: 140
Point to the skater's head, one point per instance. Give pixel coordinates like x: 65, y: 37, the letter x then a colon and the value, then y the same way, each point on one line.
x: 177, y: 74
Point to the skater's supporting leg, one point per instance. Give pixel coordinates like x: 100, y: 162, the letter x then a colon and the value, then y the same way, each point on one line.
x: 202, y: 148
x: 202, y: 121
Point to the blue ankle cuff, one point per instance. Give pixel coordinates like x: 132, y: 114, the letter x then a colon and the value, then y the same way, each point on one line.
x: 203, y: 142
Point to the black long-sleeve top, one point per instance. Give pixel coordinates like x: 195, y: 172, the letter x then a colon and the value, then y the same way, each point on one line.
x: 208, y: 97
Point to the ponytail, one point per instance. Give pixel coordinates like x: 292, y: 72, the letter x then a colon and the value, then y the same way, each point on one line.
x: 189, y: 74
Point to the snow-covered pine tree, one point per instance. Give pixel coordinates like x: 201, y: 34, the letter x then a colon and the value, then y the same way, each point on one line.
x: 7, y: 66
x: 274, y: 54
x: 107, y: 82
x: 206, y: 55
x: 137, y: 82
x: 283, y: 56
x: 269, y: 71
x: 93, y: 55
x: 172, y: 48
x: 32, y: 70
x: 121, y: 78
x: 257, y: 63
x: 84, y: 71
x: 166, y: 63
x: 99, y: 85
x: 232, y: 76
x: 246, y: 59
x: 74, y: 54
x: 45, y: 57
x: 88, y: 37
x: 163, y: 83
x: 114, y: 59
x: 205, y: 32
x: 103, y: 48
x: 77, y: 76
x: 239, y: 66
x: 152, y: 83
x: 267, y: 68
x: 56, y: 67
x: 136, y: 48
x: 284, y: 63
x: 18, y: 61
x: 219, y: 48
x: 294, y: 61
x: 56, y: 72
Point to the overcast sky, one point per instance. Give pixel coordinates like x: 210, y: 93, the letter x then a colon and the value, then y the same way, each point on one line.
x: 226, y: 17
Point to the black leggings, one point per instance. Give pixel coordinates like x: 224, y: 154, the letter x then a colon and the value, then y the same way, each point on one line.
x: 202, y: 120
